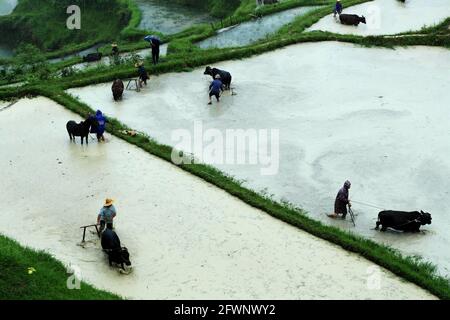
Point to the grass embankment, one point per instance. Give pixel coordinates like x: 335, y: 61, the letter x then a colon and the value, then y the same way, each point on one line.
x: 411, y: 269
x: 48, y: 282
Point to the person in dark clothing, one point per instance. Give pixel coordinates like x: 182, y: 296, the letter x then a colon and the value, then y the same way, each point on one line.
x: 115, y: 53
x: 110, y: 240
x: 115, y: 49
x: 342, y: 201
x: 215, y: 89
x: 338, y: 8
x: 142, y: 73
x: 155, y: 43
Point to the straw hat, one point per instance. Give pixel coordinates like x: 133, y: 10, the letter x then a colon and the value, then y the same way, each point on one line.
x: 217, y: 76
x: 138, y: 64
x: 114, y: 44
x: 108, y: 202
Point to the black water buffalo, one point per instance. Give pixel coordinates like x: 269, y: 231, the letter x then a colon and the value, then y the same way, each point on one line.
x: 79, y: 129
x: 402, y: 220
x: 116, y: 253
x: 225, y: 76
x: 117, y: 89
x: 91, y: 57
x: 351, y: 19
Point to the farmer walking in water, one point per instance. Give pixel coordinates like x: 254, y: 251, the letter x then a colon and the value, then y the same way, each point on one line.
x: 215, y: 88
x: 155, y: 43
x: 342, y: 201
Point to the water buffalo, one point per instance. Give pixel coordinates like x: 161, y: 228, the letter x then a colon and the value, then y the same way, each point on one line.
x: 117, y: 89
x: 91, y: 57
x: 351, y: 19
x: 79, y: 129
x: 116, y: 253
x: 225, y: 76
x: 402, y: 220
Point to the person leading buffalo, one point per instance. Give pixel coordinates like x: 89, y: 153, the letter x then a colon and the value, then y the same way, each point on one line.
x: 338, y: 8
x: 342, y: 201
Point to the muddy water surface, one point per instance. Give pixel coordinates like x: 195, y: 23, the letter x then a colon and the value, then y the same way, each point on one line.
x: 369, y: 118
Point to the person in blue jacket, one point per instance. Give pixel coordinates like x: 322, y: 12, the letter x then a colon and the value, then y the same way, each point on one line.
x: 101, y: 125
x: 338, y: 8
x: 215, y: 88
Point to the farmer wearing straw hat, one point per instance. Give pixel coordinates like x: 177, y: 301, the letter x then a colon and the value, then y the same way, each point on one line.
x: 106, y: 215
x: 142, y: 73
x: 215, y: 88
x: 342, y: 201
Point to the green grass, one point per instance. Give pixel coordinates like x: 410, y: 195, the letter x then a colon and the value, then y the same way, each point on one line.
x: 48, y: 282
x: 184, y: 56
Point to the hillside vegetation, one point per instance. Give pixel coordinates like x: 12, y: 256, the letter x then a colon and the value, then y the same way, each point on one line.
x: 43, y: 23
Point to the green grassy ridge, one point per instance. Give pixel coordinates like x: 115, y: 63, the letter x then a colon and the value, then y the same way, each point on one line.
x: 410, y: 268
x: 131, y: 33
x: 245, y: 13
x: 416, y: 271
x: 49, y: 282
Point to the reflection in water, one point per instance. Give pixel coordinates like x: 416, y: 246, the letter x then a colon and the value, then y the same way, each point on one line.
x: 7, y: 6
x: 169, y: 18
x: 252, y: 31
